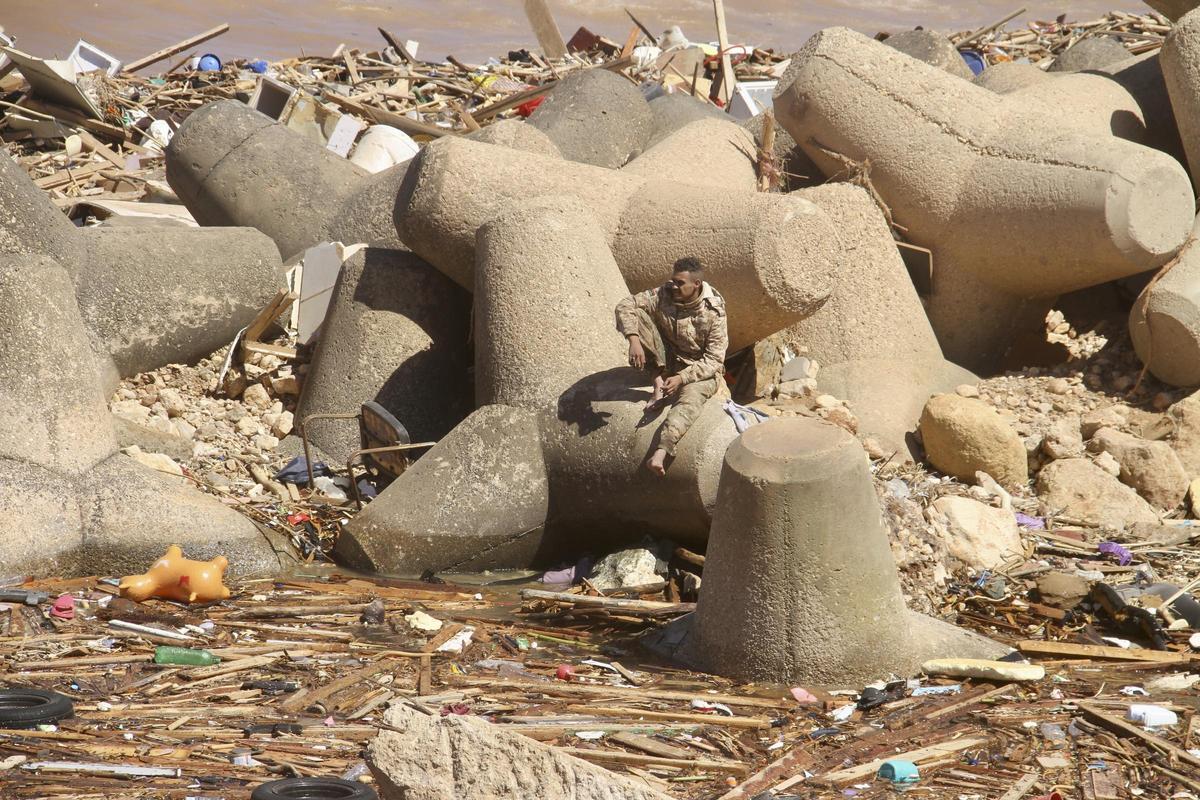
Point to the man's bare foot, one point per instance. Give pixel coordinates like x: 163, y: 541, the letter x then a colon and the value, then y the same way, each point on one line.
x: 657, y: 395
x: 657, y: 462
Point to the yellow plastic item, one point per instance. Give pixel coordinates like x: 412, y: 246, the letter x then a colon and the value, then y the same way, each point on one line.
x: 174, y: 577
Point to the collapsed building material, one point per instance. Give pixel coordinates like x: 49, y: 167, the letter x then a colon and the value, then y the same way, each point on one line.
x: 560, y: 462
x: 1094, y: 52
x: 933, y: 48
x: 596, y: 117
x: 785, y: 599
x: 771, y: 256
x: 423, y: 756
x: 74, y: 505
x: 148, y: 296
x: 871, y: 338
x: 1164, y: 322
x: 1181, y: 68
x: 674, y: 111
x: 730, y: 156
x: 397, y: 333
x: 224, y: 151
x: 1078, y: 209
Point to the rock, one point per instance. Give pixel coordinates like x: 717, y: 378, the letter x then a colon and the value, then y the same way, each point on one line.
x: 841, y: 417
x: 1062, y: 590
x: 155, y: 461
x: 978, y: 535
x: 1186, y: 417
x: 285, y: 385
x: 967, y: 390
x: 431, y: 757
x: 283, y: 426
x: 247, y: 426
x: 1106, y: 462
x: 257, y: 396
x: 1093, y: 421
x: 131, y: 410
x: 636, y: 567
x: 172, y: 402
x: 1078, y: 489
x: 266, y: 442
x: 828, y: 401
x: 1152, y: 468
x: 963, y: 436
x: 1063, y: 439
x: 1194, y: 498
x: 151, y: 440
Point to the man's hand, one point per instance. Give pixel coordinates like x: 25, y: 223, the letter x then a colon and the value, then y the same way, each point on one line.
x: 637, y: 356
x: 672, y: 385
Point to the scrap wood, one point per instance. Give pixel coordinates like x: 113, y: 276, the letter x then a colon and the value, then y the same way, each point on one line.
x: 641, y: 607
x: 1039, y: 648
x: 643, y: 692
x: 671, y: 716
x: 1121, y: 726
x: 924, y: 754
x: 618, y: 757
x: 178, y: 47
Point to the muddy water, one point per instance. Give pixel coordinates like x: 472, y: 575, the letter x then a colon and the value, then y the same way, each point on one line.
x: 468, y: 29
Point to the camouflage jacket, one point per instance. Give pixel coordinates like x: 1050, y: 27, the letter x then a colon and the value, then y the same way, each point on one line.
x: 695, y: 337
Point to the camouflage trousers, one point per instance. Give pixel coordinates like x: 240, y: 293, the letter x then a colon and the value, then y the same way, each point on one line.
x: 686, y: 405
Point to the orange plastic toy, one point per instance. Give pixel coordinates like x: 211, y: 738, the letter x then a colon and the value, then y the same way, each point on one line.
x: 177, y: 578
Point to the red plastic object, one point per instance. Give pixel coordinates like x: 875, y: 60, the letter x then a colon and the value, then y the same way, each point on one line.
x: 64, y: 607
x: 565, y: 672
x: 527, y: 108
x: 1051, y: 796
x: 296, y: 519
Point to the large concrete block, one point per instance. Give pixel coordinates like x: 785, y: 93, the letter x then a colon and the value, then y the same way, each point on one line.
x: 963, y: 169
x: 397, y: 332
x: 799, y: 584
x: 673, y: 111
x: 596, y: 117
x: 75, y: 505
x: 771, y: 256
x: 1164, y: 322
x: 1180, y: 58
x: 149, y: 296
x: 706, y: 152
x: 932, y: 47
x: 1095, y: 52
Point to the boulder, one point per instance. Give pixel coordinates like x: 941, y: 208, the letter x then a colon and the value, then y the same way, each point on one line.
x: 1063, y: 440
x: 1062, y: 589
x: 980, y: 536
x: 963, y: 436
x: 1185, y: 415
x: 1152, y: 468
x: 625, y: 569
x: 422, y: 756
x: 1078, y: 489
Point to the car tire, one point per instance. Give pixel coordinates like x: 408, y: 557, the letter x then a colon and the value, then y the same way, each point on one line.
x: 314, y: 789
x: 25, y: 708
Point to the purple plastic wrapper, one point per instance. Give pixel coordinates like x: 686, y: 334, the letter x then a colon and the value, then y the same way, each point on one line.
x: 1122, y: 555
x: 1032, y: 523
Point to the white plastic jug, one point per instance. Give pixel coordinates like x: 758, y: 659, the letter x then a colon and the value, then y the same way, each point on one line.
x: 383, y: 147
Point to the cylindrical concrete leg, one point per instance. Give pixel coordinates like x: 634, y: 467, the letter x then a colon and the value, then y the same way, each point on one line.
x: 799, y: 584
x: 546, y: 287
x: 1180, y: 59
x: 173, y: 295
x: 1164, y: 323
x: 596, y: 117
x: 30, y: 222
x: 397, y: 333
x: 707, y: 152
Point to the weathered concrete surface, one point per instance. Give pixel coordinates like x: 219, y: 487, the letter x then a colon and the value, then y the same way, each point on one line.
x: 1173, y: 10
x: 1094, y: 52
x: 73, y: 504
x: 1180, y: 59
x: 784, y: 598
x: 1164, y: 322
x: 1078, y: 209
x: 932, y: 47
x: 596, y: 117
x: 872, y: 338
x: 397, y: 332
x: 226, y: 152
x: 727, y: 150
x: 772, y: 256
x: 149, y: 296
x: 422, y: 757
x: 545, y: 276
x: 673, y: 111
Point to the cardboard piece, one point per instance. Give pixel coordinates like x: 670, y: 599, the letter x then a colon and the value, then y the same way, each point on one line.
x: 54, y: 81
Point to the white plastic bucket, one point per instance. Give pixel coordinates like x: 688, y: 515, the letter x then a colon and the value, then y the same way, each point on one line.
x: 383, y: 147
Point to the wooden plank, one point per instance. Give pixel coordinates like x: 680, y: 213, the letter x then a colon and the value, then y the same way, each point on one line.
x: 651, y: 607
x: 970, y: 701
x: 649, y: 746
x: 859, y: 772
x: 672, y: 716
x: 1119, y: 725
x: 728, y: 81
x: 541, y: 19
x: 1038, y: 648
x: 270, y: 313
x: 1021, y: 787
x: 178, y: 47
x: 496, y: 685
x: 276, y: 350
x: 613, y: 757
x: 383, y: 117
x: 796, y: 760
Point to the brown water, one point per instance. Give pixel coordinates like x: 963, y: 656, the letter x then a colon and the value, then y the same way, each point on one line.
x: 273, y: 29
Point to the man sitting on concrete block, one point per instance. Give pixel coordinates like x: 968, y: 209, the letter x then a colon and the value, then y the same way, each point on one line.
x: 680, y: 331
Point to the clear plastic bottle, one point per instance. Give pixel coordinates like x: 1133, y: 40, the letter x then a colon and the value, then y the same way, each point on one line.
x: 184, y: 657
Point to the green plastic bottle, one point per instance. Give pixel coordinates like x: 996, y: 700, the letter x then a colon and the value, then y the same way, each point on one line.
x: 184, y: 657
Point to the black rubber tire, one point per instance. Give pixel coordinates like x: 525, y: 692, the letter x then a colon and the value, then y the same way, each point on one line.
x: 28, y: 708
x: 314, y: 789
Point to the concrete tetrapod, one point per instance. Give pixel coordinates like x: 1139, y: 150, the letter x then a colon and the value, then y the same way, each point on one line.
x: 596, y: 117
x: 226, y: 152
x: 559, y: 463
x: 1164, y: 322
x: 148, y: 296
x: 872, y: 339
x: 933, y: 48
x: 397, y: 333
x: 799, y: 582
x: 962, y: 168
x: 729, y: 153
x: 72, y: 503
x: 1180, y: 58
x: 771, y: 256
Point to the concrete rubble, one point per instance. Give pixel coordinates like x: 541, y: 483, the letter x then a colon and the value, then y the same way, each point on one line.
x: 957, y: 417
